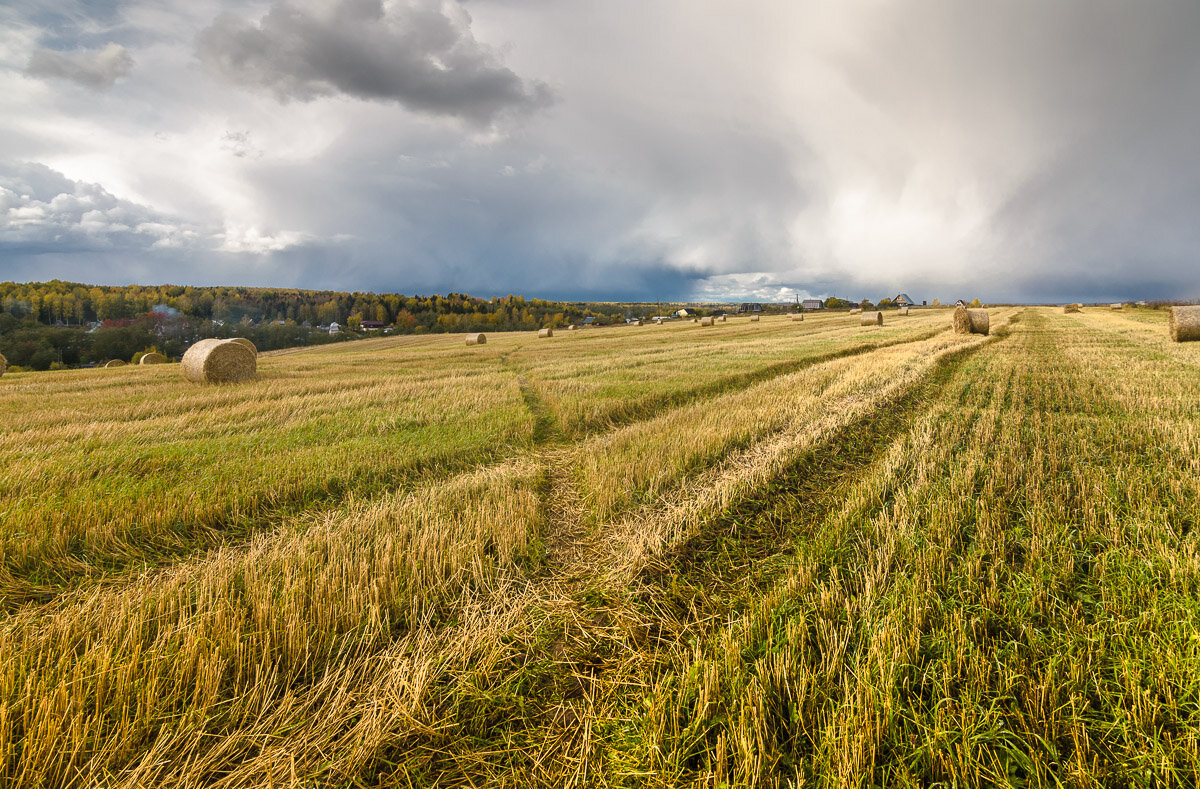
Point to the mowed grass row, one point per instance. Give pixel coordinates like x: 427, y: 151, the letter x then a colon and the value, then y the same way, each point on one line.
x: 192, y: 674
x: 638, y: 468
x: 590, y: 380
x: 1008, y: 597
x: 178, y: 670
x: 106, y: 469
x: 103, y: 469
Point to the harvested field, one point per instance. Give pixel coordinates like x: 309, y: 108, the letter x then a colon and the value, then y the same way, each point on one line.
x: 770, y: 554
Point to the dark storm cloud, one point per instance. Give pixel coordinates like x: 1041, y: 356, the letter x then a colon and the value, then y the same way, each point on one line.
x: 420, y: 54
x: 95, y: 69
x: 1077, y: 120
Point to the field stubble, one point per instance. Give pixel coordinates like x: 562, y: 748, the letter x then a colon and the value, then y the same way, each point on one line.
x: 944, y: 559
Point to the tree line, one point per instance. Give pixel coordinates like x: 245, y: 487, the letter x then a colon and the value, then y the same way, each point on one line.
x: 55, y: 324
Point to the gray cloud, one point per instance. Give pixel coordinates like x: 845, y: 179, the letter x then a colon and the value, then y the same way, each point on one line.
x: 96, y: 69
x: 421, y: 54
x: 1010, y: 151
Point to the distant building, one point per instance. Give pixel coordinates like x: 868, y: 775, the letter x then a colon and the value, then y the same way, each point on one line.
x: 683, y: 313
x: 813, y: 304
x: 335, y: 329
x: 589, y: 321
x: 749, y: 307
x: 371, y: 325
x: 903, y: 300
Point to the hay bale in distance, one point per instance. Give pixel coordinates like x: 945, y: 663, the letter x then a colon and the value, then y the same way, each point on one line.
x: 1068, y: 308
x: 216, y: 361
x: 796, y: 316
x: 856, y: 311
x: 571, y: 327
x: 903, y: 311
x: 871, y: 319
x: 243, y: 341
x: 706, y: 321
x: 152, y: 358
x: 477, y: 339
x: 1117, y: 306
x: 1184, y: 323
x: 754, y: 319
x: 971, y: 321
x: 547, y: 332
x: 115, y: 363
x: 722, y: 319
x: 638, y: 322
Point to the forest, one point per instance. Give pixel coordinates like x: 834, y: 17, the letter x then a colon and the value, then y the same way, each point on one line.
x: 58, y: 325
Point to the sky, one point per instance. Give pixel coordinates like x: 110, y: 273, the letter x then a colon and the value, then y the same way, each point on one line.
x: 638, y: 150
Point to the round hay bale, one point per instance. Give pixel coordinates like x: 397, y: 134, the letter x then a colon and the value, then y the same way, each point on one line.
x: 635, y: 323
x: 971, y: 321
x: 706, y: 321
x: 856, y: 311
x: 871, y: 319
x: 1117, y: 306
x: 796, y: 316
x: 216, y: 361
x: 1068, y: 308
x: 245, y: 342
x: 571, y: 327
x: 903, y: 310
x: 477, y: 339
x: 547, y: 332
x: 115, y: 363
x: 754, y: 319
x: 722, y: 319
x: 152, y: 358
x: 1184, y: 323
x: 3, y: 364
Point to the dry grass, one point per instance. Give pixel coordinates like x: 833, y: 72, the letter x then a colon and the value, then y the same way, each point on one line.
x: 948, y: 559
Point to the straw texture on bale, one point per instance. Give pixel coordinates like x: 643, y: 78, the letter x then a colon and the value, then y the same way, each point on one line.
x: 1117, y: 306
x: 246, y: 343
x: 754, y: 319
x: 971, y: 321
x: 216, y: 361
x: 871, y: 319
x: 1184, y: 323
x: 115, y: 363
x: 3, y: 364
x: 904, y: 310
x: 706, y: 321
x: 1072, y: 308
x: 477, y: 339
x: 152, y: 358
x: 547, y: 332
